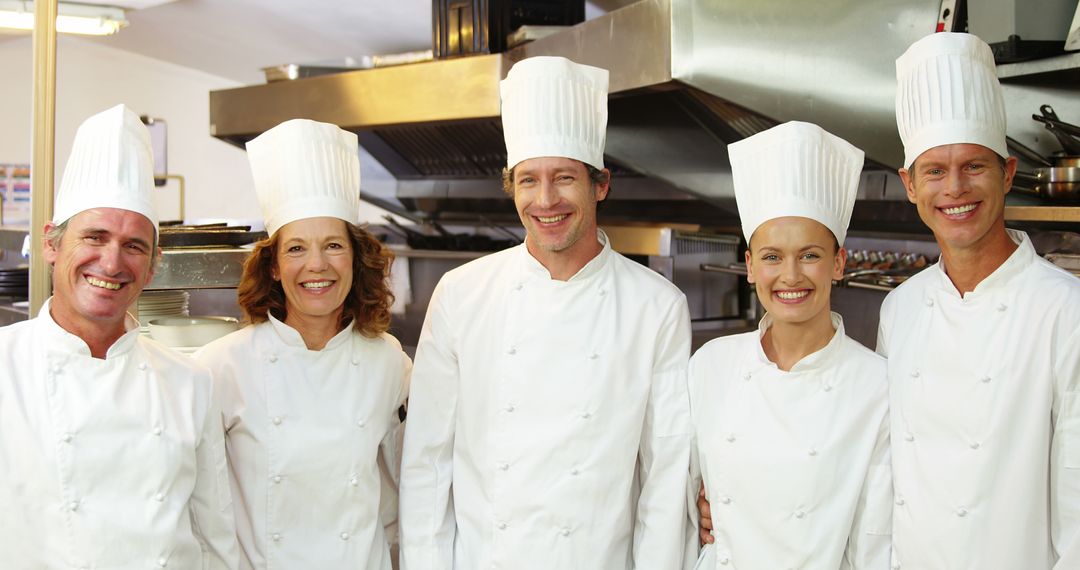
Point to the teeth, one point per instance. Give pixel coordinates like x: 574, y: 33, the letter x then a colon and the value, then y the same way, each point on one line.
x: 316, y: 284
x: 551, y: 219
x: 102, y: 284
x: 959, y: 209
x: 791, y: 295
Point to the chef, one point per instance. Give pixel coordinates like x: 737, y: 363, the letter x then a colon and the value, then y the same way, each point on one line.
x: 983, y: 347
x: 550, y: 375
x: 111, y: 452
x: 791, y: 420
x: 311, y: 390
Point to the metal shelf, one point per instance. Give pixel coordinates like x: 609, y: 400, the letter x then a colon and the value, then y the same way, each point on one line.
x: 1068, y: 63
x: 11, y: 237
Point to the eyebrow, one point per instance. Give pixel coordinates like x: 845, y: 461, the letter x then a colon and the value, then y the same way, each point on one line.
x: 102, y: 231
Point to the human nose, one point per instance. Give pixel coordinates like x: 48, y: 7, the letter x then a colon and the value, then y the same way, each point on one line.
x: 789, y: 271
x: 548, y: 195
x: 957, y: 184
x: 109, y: 259
x: 316, y: 261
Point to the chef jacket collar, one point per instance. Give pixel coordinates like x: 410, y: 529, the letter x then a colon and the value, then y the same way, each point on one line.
x: 291, y: 337
x: 60, y: 340
x: 813, y: 361
x: 533, y: 268
x: 1013, y: 266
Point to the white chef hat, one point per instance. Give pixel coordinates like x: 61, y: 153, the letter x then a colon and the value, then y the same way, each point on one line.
x: 306, y: 169
x: 948, y: 93
x: 552, y: 106
x: 111, y: 166
x: 795, y: 169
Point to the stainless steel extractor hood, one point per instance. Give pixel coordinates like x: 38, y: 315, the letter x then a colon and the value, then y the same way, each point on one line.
x: 687, y: 78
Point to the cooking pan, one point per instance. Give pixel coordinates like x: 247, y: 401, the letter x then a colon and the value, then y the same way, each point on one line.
x: 204, y: 236
x: 1054, y: 160
x: 1059, y: 184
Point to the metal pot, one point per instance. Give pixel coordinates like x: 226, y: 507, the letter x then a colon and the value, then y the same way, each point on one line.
x: 1031, y: 155
x: 1058, y: 184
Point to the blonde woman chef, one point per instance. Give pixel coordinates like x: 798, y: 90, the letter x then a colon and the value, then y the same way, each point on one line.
x: 311, y: 390
x: 791, y: 420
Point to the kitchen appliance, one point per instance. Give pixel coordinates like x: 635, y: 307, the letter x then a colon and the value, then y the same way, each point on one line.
x: 1019, y: 30
x: 463, y: 27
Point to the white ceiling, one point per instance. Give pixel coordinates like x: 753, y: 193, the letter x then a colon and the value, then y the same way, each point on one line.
x: 235, y: 38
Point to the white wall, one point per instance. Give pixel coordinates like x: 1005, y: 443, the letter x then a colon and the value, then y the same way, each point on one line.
x: 91, y: 78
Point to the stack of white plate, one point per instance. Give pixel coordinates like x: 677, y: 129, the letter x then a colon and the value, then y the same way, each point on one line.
x: 161, y: 304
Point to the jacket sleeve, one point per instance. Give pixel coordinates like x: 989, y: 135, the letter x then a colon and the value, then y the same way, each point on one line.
x: 664, y: 456
x: 389, y: 461
x: 427, y: 508
x: 1065, y: 453
x: 870, y: 540
x: 211, y: 499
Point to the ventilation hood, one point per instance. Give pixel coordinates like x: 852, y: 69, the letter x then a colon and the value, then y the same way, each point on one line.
x: 687, y: 78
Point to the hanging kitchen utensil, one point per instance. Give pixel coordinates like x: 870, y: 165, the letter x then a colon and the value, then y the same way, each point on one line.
x: 1068, y: 143
x: 1026, y: 152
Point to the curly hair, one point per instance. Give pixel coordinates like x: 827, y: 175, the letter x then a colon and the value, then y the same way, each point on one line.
x: 367, y: 304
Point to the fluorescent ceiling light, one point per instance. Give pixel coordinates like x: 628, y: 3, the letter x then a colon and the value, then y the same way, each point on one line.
x: 70, y: 19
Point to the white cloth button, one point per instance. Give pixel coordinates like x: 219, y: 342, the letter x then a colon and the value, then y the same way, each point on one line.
x: 800, y: 514
x: 909, y: 437
x: 360, y: 423
x: 725, y: 560
x: 276, y: 420
x: 929, y: 302
x: 344, y: 536
x: 914, y: 373
x: 67, y: 437
x: 746, y: 376
x: 725, y: 500
x: 985, y: 380
x: 273, y: 358
x: 975, y: 445
x: 160, y: 497
x: 1001, y: 307
x: 900, y: 501
x: 896, y: 566
x: 275, y: 537
x: 73, y: 506
x: 354, y: 481
x: 512, y: 350
x: 564, y: 532
x: 594, y: 356
x: 518, y: 287
x: 961, y: 512
x: 142, y: 366
x: 812, y: 452
x: 57, y: 370
x: 509, y: 407
x: 603, y: 292
x: 504, y: 466
x: 574, y: 471
x: 828, y: 388
x: 730, y: 437
x: 355, y: 362
x: 276, y: 478
x: 502, y: 525
x: 586, y: 415
x: 161, y: 562
x: 157, y: 431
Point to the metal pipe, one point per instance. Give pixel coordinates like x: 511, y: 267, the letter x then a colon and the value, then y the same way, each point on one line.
x: 44, y: 144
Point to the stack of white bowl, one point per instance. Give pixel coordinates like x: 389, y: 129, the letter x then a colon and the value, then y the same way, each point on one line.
x: 161, y: 304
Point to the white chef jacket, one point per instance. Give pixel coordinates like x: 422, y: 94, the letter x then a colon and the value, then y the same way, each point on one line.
x: 795, y: 464
x: 114, y: 464
x: 534, y: 402
x: 985, y: 396
x: 312, y: 439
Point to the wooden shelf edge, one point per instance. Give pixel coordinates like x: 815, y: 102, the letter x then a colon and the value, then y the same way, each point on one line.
x: 1042, y: 213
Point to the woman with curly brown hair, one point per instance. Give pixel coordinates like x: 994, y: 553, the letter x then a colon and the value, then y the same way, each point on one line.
x: 311, y: 389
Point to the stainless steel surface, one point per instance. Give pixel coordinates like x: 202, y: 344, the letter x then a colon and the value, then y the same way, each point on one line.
x: 199, y: 268
x: 408, y: 252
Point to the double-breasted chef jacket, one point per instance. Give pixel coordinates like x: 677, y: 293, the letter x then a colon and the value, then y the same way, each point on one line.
x: 985, y: 399
x: 534, y: 403
x: 796, y: 463
x: 313, y: 441
x: 114, y: 464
